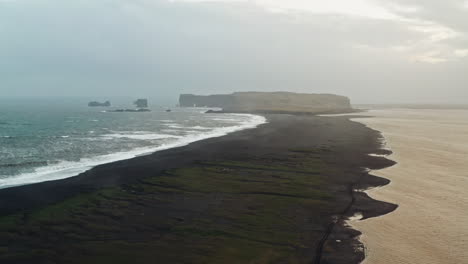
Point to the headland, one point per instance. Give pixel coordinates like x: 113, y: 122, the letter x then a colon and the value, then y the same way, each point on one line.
x: 278, y: 193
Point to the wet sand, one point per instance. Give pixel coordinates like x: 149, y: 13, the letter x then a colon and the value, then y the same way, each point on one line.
x: 429, y: 184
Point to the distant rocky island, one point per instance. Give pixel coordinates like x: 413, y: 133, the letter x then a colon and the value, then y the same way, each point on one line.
x: 130, y: 110
x: 99, y: 104
x: 270, y: 102
x: 141, y: 103
x: 141, y: 106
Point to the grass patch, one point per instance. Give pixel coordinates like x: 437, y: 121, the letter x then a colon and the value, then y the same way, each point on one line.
x: 228, y: 211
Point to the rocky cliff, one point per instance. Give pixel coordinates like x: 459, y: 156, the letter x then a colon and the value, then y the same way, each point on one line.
x: 274, y: 102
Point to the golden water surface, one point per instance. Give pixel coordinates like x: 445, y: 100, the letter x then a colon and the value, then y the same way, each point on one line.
x: 429, y: 183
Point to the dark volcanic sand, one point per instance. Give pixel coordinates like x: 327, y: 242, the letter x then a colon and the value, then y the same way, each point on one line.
x: 275, y: 194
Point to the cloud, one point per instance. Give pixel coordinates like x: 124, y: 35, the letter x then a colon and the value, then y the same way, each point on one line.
x: 435, y: 23
x: 363, y: 8
x: 430, y: 57
x: 461, y: 53
x: 163, y: 48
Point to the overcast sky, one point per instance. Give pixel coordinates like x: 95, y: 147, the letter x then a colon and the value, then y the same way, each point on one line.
x: 375, y: 51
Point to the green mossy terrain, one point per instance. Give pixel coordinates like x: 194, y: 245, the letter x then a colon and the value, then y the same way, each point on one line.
x: 258, y: 210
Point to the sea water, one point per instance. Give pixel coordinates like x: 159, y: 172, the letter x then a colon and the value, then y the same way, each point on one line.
x: 429, y: 184
x: 51, y: 139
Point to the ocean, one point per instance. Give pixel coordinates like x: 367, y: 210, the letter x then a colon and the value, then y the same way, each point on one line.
x: 51, y: 139
x: 429, y: 183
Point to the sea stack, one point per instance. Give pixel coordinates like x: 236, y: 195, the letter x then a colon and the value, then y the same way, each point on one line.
x: 141, y: 103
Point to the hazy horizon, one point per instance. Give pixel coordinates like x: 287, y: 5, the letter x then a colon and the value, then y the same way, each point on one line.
x: 363, y: 160
x: 371, y: 51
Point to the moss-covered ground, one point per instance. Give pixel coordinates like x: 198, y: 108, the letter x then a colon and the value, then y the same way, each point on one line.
x: 258, y: 210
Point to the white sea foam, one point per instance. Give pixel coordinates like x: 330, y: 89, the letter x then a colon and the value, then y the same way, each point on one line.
x: 199, y: 128
x: 178, y: 126
x: 175, y: 126
x: 229, y: 120
x: 356, y: 217
x: 139, y: 136
x: 67, y: 169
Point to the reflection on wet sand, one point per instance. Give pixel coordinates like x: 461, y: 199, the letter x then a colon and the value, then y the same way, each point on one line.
x: 429, y: 184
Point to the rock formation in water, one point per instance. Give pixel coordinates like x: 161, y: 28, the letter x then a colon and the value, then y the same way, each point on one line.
x: 139, y: 110
x: 98, y: 104
x: 270, y: 102
x: 141, y: 103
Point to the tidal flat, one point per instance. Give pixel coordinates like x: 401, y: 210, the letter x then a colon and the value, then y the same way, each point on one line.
x: 429, y: 184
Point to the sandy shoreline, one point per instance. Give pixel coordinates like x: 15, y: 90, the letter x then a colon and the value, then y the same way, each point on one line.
x: 277, y: 193
x: 429, y: 184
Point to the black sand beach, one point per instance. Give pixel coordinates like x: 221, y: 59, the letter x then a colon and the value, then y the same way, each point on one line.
x: 275, y: 194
